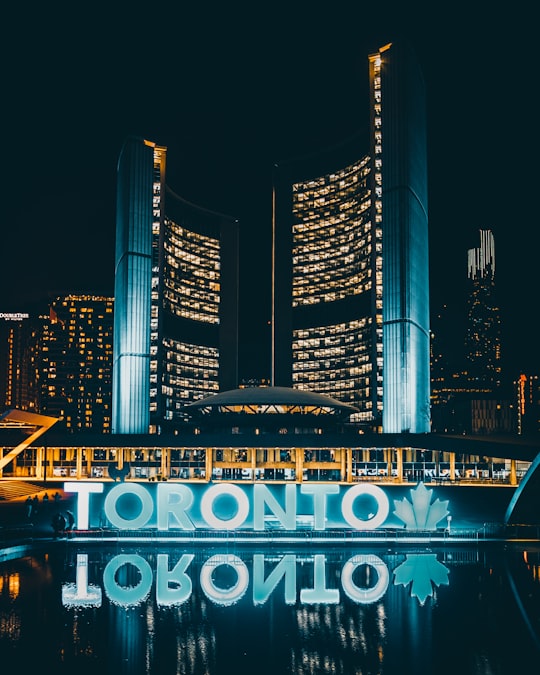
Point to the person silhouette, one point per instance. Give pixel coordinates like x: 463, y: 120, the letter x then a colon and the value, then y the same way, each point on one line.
x: 58, y: 524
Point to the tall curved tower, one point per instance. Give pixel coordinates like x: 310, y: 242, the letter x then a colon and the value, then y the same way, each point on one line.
x: 350, y: 305
x: 176, y: 297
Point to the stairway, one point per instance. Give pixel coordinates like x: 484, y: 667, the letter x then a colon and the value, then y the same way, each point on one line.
x: 16, y: 489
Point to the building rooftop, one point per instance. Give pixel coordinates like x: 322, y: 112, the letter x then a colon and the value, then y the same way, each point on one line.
x: 270, y: 401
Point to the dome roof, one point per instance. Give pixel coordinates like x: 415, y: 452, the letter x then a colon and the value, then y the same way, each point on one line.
x: 271, y: 400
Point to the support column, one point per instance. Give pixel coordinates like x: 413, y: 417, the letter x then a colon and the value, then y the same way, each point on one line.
x: 399, y: 465
x: 208, y: 464
x: 452, y: 466
x: 513, y: 472
x: 349, y: 463
x: 299, y: 456
x: 39, y: 463
x: 165, y: 462
x: 343, y: 465
x: 253, y: 456
x: 388, y: 459
x: 78, y: 463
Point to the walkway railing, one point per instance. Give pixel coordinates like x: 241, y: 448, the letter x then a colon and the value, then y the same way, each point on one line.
x: 489, y: 532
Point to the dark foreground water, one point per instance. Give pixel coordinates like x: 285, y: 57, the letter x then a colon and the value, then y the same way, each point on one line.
x: 72, y: 608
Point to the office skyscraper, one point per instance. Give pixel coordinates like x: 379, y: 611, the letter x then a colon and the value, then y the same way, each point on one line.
x: 350, y: 310
x: 20, y: 335
x: 483, y: 335
x: 60, y: 364
x: 469, y: 397
x: 176, y: 297
x: 350, y: 298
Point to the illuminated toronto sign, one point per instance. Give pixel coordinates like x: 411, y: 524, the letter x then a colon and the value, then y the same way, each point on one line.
x: 227, y: 506
x: 225, y: 578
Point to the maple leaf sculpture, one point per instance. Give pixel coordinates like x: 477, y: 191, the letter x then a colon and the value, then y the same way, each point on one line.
x: 419, y: 513
x: 424, y: 571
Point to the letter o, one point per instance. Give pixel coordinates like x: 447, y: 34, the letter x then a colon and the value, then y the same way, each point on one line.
x: 383, y: 506
x: 127, y: 595
x: 365, y: 595
x: 223, y: 596
x: 147, y: 506
x: 207, y: 503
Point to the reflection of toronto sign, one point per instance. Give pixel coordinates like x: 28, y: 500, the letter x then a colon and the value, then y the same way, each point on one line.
x: 225, y: 579
x: 226, y: 506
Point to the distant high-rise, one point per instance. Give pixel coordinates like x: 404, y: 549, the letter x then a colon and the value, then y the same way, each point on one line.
x: 20, y: 335
x: 350, y: 311
x: 483, y: 334
x: 176, y: 297
x: 467, y: 393
x: 60, y: 364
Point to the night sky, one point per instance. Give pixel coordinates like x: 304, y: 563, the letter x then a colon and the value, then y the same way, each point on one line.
x: 230, y: 92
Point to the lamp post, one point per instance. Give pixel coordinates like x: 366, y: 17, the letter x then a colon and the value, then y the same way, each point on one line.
x: 448, y: 520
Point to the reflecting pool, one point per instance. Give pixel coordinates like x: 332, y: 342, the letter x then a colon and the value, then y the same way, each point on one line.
x: 67, y: 607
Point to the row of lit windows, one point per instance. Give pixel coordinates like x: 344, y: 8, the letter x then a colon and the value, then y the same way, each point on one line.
x: 337, y: 387
x: 192, y: 274
x: 179, y: 252
x: 185, y: 268
x: 206, y: 369
x: 183, y: 350
x: 323, y: 284
x: 330, y: 295
x: 193, y: 390
x: 335, y: 369
x: 190, y: 289
x: 342, y: 225
x: 330, y: 186
x: 344, y: 229
x: 323, y: 254
x: 331, y: 208
x: 191, y: 309
x: 336, y: 203
x: 331, y: 260
x: 200, y: 244
x: 332, y: 341
x: 360, y: 399
x: 336, y: 360
x: 346, y: 176
x: 197, y: 250
x: 191, y: 372
x: 331, y: 335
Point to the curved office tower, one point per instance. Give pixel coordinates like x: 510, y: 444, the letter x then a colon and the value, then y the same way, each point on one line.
x: 176, y: 297
x: 350, y: 260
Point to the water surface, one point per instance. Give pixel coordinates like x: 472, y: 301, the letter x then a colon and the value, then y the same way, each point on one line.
x: 71, y: 608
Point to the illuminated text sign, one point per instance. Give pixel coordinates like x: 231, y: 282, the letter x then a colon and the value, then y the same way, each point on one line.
x: 225, y: 506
